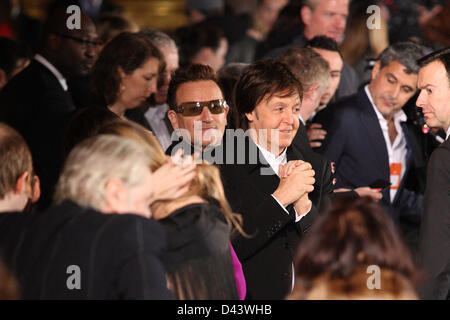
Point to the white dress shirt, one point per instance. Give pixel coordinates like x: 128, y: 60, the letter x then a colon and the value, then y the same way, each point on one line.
x: 397, y: 150
x: 155, y: 117
x: 448, y: 133
x: 53, y: 70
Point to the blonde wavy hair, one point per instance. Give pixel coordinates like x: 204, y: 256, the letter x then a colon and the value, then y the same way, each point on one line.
x: 207, y: 184
x: 95, y: 161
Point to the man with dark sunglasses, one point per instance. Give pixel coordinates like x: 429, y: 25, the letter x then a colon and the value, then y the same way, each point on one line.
x: 38, y: 101
x: 198, y: 111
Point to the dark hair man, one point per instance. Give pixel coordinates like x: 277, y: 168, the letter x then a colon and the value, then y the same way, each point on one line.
x: 197, y: 107
x: 434, y: 100
x: 369, y: 141
x: 276, y: 187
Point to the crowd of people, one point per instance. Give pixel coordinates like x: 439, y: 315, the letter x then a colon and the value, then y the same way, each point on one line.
x: 287, y: 152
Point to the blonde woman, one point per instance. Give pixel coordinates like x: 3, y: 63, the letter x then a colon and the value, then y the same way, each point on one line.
x: 198, y: 260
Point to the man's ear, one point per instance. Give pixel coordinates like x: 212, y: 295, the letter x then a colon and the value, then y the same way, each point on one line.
x: 114, y: 196
x: 36, y: 190
x: 306, y: 15
x: 250, y: 116
x: 172, y: 115
x: 376, y: 69
x: 22, y: 183
x: 3, y: 78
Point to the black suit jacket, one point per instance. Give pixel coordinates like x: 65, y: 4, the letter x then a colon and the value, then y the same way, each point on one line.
x: 435, y: 228
x: 36, y: 105
x: 355, y: 142
x: 267, y: 256
x: 117, y: 255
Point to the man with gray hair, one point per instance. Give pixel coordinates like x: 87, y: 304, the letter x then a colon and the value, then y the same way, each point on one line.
x: 153, y: 114
x: 97, y: 241
x: 370, y: 142
x: 314, y: 74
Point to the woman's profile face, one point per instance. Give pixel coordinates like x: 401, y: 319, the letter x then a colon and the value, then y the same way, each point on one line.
x: 137, y: 86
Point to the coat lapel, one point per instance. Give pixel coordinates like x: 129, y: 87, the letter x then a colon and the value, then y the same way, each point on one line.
x: 373, y: 130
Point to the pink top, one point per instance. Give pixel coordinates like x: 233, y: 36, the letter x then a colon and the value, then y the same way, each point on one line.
x: 238, y: 275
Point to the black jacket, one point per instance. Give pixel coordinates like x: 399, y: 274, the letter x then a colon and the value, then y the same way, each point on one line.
x: 434, y: 246
x: 117, y: 255
x: 35, y: 104
x: 267, y: 256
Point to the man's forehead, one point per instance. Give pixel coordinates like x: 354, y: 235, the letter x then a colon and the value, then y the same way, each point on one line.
x: 433, y: 73
x: 87, y: 28
x: 340, y: 5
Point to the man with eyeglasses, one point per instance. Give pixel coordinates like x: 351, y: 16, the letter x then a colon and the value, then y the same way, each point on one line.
x: 37, y: 102
x: 198, y: 111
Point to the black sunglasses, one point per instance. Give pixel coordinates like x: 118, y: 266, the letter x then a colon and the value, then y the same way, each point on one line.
x: 189, y: 109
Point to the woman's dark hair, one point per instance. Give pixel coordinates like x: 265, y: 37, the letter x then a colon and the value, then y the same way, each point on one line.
x: 129, y: 51
x: 262, y: 80
x: 191, y: 39
x: 352, y: 234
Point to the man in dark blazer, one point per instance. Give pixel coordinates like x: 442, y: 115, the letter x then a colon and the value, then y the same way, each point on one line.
x: 97, y: 242
x: 369, y: 141
x: 268, y: 181
x: 37, y: 101
x: 434, y: 99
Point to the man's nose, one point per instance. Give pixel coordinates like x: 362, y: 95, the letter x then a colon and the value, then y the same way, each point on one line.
x: 91, y: 51
x: 395, y: 90
x: 288, y: 116
x: 421, y: 100
x: 206, y: 114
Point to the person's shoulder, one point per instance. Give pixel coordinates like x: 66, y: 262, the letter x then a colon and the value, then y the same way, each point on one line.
x: 441, y: 155
x: 134, y: 225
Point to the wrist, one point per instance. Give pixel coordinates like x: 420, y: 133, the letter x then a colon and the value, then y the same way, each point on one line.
x: 280, y: 199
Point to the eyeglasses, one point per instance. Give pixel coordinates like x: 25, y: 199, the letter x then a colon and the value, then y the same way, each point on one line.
x: 189, y: 109
x: 84, y: 42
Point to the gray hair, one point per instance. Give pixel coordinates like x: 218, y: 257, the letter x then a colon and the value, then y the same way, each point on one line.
x: 94, y: 162
x: 308, y: 66
x: 159, y: 38
x: 407, y: 53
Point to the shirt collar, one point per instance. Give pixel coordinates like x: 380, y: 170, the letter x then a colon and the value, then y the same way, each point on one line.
x: 158, y: 112
x: 301, y: 119
x: 399, y: 116
x: 53, y: 70
x: 448, y: 133
x: 272, y: 158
